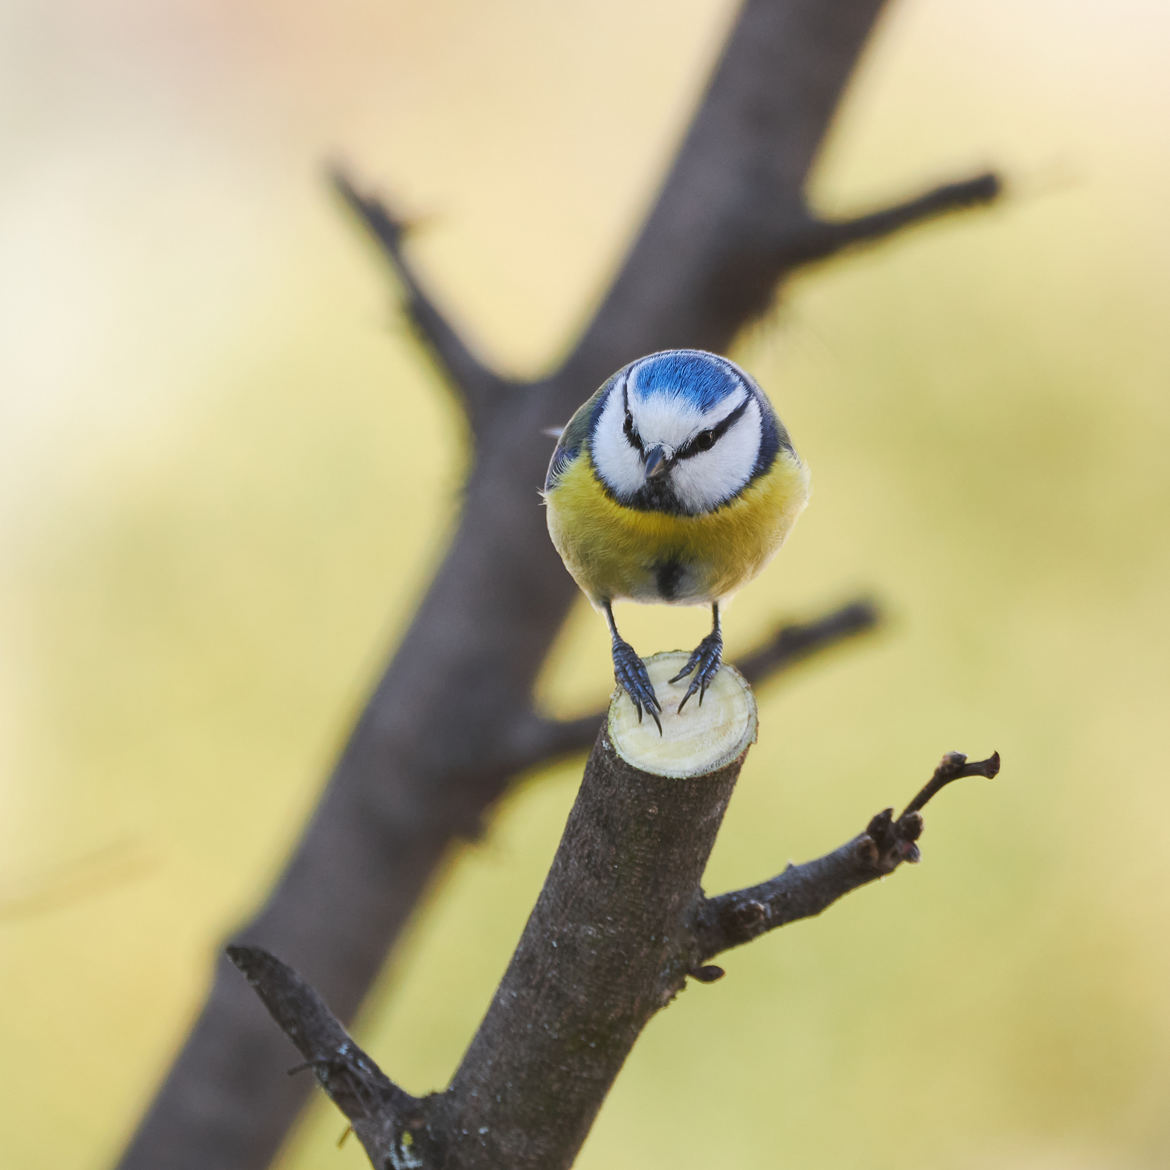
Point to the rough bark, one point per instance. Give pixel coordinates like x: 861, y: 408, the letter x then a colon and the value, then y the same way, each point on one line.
x: 609, y: 942
x: 607, y: 945
x: 620, y: 924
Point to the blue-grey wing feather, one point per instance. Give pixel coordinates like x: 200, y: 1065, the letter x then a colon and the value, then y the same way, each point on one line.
x: 573, y: 438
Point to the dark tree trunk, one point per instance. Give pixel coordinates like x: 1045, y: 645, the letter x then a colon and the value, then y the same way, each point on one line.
x: 730, y: 222
x: 620, y: 924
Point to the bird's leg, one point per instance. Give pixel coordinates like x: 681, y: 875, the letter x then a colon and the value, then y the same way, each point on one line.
x: 705, y: 660
x: 630, y: 672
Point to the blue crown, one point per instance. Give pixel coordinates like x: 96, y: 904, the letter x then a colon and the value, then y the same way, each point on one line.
x: 701, y: 378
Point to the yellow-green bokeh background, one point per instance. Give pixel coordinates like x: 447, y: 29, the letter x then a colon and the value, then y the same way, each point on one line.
x: 225, y: 473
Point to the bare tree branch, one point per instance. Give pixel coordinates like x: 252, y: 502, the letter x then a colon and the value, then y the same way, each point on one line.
x: 819, y: 239
x: 619, y: 926
x: 540, y: 739
x: 473, y: 382
x: 707, y: 259
x: 796, y: 642
x: 802, y: 891
x: 404, y: 788
x: 953, y: 766
x: 607, y: 944
x: 382, y: 1115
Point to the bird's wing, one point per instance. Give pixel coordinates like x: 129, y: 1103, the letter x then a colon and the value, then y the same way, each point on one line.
x: 572, y: 439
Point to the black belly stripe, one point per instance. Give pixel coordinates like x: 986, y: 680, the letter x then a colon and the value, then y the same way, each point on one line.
x: 668, y: 577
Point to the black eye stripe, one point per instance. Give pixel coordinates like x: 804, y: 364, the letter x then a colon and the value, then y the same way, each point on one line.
x: 632, y: 436
x: 716, y: 432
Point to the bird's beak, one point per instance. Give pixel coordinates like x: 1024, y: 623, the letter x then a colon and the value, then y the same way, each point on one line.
x: 657, y: 463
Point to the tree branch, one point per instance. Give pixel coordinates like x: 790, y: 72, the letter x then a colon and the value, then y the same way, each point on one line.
x: 404, y: 789
x: 797, y: 642
x: 539, y: 739
x: 818, y: 239
x: 619, y: 926
x: 607, y: 944
x: 802, y: 891
x: 473, y: 382
x: 953, y: 766
x: 737, y: 185
x: 383, y: 1116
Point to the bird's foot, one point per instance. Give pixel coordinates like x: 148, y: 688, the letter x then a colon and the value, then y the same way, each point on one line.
x: 630, y: 672
x: 705, y: 661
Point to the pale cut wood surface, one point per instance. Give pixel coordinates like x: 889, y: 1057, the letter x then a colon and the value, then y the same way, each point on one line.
x: 700, y: 738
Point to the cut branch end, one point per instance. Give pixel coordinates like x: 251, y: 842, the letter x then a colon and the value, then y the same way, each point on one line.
x: 704, y: 737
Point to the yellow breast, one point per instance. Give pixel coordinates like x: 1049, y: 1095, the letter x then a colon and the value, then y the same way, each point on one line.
x: 618, y: 552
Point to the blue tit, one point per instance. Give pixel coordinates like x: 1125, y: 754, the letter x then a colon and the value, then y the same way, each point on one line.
x: 674, y: 483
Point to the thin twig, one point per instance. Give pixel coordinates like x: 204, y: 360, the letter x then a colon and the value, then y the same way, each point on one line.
x: 819, y: 239
x: 379, y: 1112
x: 539, y: 739
x: 574, y: 999
x: 474, y: 383
x: 803, y: 891
x: 796, y: 642
x: 953, y: 766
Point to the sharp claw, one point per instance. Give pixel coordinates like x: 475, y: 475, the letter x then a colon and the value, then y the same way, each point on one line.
x: 707, y: 658
x: 631, y: 676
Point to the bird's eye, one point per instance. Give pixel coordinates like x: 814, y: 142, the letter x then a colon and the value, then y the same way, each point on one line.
x: 628, y: 429
x: 703, y: 441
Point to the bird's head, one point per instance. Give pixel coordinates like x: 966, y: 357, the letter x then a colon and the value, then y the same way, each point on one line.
x: 682, y: 431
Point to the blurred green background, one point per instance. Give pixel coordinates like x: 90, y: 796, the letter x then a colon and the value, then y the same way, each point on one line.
x: 226, y: 473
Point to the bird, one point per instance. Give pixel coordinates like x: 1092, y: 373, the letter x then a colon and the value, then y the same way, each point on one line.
x: 675, y: 482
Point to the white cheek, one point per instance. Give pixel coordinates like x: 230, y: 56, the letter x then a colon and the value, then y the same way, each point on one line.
x: 704, y: 481
x: 618, y: 464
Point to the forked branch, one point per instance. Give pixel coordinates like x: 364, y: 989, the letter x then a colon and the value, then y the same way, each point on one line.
x: 619, y: 927
x: 540, y: 739
x: 706, y: 261
x: 802, y: 891
x: 383, y: 1116
x: 818, y: 239
x: 472, y: 381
